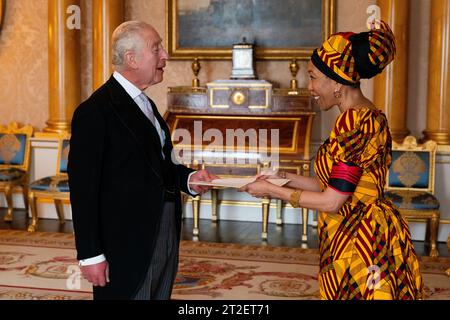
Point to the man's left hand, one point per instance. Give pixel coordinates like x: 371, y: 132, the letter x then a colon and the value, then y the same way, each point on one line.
x: 201, y: 175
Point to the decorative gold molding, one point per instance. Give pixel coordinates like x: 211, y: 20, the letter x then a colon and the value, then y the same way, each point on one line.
x: 439, y: 137
x: 442, y: 221
x: 47, y: 135
x: 304, y: 92
x: 303, y: 53
x: 187, y: 89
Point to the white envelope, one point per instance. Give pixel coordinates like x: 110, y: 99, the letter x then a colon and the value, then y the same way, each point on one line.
x: 237, y: 182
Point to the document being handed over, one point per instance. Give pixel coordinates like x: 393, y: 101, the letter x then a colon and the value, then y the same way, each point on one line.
x: 237, y: 182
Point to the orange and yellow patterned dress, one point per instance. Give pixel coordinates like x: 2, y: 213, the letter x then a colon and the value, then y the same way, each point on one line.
x: 365, y: 249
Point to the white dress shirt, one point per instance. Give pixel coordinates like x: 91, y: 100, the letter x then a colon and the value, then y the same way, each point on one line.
x: 135, y: 93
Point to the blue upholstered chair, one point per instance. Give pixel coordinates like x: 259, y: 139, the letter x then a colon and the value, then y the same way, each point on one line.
x: 14, y: 162
x: 54, y: 187
x: 410, y: 184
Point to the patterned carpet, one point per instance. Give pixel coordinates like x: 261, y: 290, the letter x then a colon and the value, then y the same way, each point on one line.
x: 42, y: 266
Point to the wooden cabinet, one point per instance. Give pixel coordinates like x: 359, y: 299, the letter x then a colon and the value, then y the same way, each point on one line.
x: 237, y: 139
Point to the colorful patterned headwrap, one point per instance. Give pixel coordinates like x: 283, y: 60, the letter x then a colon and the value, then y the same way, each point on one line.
x: 347, y: 57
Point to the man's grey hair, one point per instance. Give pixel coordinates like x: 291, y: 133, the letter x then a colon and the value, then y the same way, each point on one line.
x: 127, y: 37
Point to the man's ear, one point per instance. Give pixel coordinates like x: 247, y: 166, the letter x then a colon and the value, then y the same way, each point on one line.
x: 130, y: 60
x: 337, y: 86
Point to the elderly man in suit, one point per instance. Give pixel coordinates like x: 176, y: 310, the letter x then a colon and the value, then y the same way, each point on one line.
x: 124, y: 185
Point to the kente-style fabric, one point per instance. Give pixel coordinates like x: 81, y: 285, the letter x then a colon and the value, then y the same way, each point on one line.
x: 382, y: 45
x: 334, y: 59
x: 347, y: 57
x: 365, y: 249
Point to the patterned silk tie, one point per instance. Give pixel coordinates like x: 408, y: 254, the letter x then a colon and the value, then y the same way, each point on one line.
x: 147, y: 108
x: 151, y: 116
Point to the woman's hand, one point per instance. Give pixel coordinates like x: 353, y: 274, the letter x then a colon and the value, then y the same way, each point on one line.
x: 264, y: 176
x: 258, y: 189
x: 268, y: 174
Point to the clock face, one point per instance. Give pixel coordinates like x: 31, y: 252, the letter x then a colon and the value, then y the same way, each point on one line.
x: 238, y: 97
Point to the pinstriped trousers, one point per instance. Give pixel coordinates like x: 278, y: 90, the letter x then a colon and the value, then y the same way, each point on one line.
x: 162, y: 271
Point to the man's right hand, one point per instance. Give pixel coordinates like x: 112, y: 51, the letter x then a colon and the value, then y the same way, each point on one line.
x: 97, y: 274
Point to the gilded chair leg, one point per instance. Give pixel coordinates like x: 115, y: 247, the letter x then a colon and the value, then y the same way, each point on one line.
x: 196, y: 213
x: 434, y: 227
x: 214, y: 204
x: 279, y: 212
x: 9, y: 201
x: 60, y: 211
x: 305, y: 224
x: 265, y: 218
x: 34, y: 218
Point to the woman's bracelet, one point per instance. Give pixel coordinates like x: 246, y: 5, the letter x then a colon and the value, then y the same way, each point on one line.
x: 295, y: 198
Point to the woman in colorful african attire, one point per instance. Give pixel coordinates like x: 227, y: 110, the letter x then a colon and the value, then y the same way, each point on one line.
x: 365, y: 245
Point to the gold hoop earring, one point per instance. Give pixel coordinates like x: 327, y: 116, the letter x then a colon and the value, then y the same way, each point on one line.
x: 337, y: 94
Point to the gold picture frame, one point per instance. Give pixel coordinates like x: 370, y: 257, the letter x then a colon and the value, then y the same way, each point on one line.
x: 192, y: 35
x: 2, y: 5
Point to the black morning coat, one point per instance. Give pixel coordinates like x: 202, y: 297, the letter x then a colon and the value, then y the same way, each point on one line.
x: 117, y: 178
